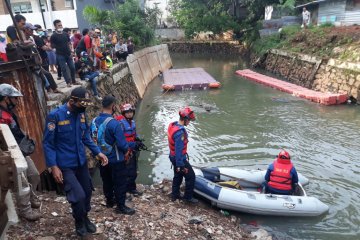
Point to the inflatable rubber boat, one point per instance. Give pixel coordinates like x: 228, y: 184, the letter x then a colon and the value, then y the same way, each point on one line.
x: 213, y: 184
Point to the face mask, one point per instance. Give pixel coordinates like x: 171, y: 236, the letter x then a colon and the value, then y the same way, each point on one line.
x: 77, y: 109
x: 59, y: 30
x: 2, y: 39
x: 10, y: 105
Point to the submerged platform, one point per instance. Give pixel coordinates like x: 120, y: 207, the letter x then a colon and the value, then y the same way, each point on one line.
x: 315, y: 96
x: 188, y: 79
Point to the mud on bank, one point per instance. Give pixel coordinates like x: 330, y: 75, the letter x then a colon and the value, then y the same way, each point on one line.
x: 156, y: 217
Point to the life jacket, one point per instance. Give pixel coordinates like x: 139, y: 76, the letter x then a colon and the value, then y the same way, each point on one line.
x: 98, y: 136
x: 280, y: 177
x: 173, y: 128
x: 129, y: 128
x: 7, y: 119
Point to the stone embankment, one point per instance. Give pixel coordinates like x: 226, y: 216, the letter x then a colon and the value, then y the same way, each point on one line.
x: 228, y: 48
x: 156, y: 217
x: 325, y: 75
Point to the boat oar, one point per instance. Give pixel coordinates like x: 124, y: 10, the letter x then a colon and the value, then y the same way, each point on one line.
x: 223, y: 174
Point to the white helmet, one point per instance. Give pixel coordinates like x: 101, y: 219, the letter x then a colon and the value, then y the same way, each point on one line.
x: 6, y: 90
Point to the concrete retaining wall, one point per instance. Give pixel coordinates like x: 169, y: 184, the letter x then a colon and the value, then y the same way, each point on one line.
x: 146, y: 64
x: 319, y: 74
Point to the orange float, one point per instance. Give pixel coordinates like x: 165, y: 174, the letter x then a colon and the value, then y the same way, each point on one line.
x: 168, y: 87
x: 214, y: 85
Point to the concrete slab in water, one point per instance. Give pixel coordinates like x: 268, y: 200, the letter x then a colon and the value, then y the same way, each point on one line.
x: 189, y: 78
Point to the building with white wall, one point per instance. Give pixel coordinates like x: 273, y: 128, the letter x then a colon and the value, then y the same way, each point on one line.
x: 42, y: 12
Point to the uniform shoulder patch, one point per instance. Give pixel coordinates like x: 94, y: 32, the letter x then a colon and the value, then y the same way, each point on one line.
x: 51, y: 126
x: 182, y: 137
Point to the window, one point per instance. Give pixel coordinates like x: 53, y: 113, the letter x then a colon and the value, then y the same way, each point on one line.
x: 21, y: 7
x: 68, y: 3
x: 43, y: 6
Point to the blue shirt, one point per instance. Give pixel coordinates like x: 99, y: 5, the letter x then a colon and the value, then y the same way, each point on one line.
x: 65, y: 137
x: 114, y: 135
x: 179, y: 138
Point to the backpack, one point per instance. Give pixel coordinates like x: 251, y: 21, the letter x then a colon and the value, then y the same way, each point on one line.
x: 98, y: 136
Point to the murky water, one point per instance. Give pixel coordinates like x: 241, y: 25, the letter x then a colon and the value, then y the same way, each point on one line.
x: 244, y: 125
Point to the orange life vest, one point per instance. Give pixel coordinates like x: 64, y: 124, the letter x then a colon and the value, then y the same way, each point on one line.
x: 280, y: 177
x: 172, y: 129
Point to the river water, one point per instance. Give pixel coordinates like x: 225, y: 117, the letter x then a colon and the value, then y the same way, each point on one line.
x: 245, y: 125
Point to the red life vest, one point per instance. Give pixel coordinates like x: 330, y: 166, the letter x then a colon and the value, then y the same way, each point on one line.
x: 280, y: 177
x: 172, y: 129
x: 7, y: 119
x: 129, y: 128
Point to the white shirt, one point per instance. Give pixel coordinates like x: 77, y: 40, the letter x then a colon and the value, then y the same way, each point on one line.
x: 306, y: 15
x: 121, y: 48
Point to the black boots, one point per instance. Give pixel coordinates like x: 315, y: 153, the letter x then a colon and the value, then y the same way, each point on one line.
x: 90, y: 227
x: 191, y: 200
x: 124, y: 210
x: 80, y: 228
x: 84, y: 227
x: 136, y: 193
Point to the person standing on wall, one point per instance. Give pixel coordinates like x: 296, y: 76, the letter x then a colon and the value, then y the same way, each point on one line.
x: 128, y: 125
x: 61, y: 42
x: 26, y: 203
x: 65, y: 137
x: 178, y: 140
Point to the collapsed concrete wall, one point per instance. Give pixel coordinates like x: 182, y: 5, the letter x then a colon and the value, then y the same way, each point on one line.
x: 325, y: 75
x: 146, y: 64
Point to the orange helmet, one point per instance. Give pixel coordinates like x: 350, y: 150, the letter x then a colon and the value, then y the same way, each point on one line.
x: 127, y: 107
x: 187, y: 113
x: 284, y: 155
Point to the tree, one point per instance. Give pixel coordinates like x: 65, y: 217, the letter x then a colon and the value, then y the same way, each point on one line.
x: 96, y: 16
x: 130, y: 20
x: 207, y: 15
x: 127, y: 19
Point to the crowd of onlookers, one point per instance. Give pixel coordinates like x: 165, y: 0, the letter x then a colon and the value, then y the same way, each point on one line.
x: 68, y: 52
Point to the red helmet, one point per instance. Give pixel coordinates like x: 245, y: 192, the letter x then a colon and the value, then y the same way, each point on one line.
x: 284, y: 155
x: 187, y: 113
x: 127, y: 107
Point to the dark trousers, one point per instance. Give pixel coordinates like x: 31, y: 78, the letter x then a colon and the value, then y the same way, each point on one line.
x: 58, y: 69
x: 189, y: 181
x: 122, y: 55
x: 114, y: 182
x: 78, y: 189
x: 63, y: 61
x: 132, y: 167
x: 269, y: 189
x: 49, y: 77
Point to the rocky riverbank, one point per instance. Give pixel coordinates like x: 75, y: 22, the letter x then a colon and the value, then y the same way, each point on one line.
x: 156, y: 218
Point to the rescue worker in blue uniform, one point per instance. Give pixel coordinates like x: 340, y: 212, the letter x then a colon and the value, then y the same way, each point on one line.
x: 129, y: 127
x: 178, y: 140
x: 114, y: 175
x: 281, y: 176
x: 65, y: 137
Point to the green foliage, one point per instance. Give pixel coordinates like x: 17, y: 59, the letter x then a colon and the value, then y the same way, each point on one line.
x: 128, y: 20
x: 326, y: 25
x: 195, y: 16
x: 262, y: 45
x: 96, y: 16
